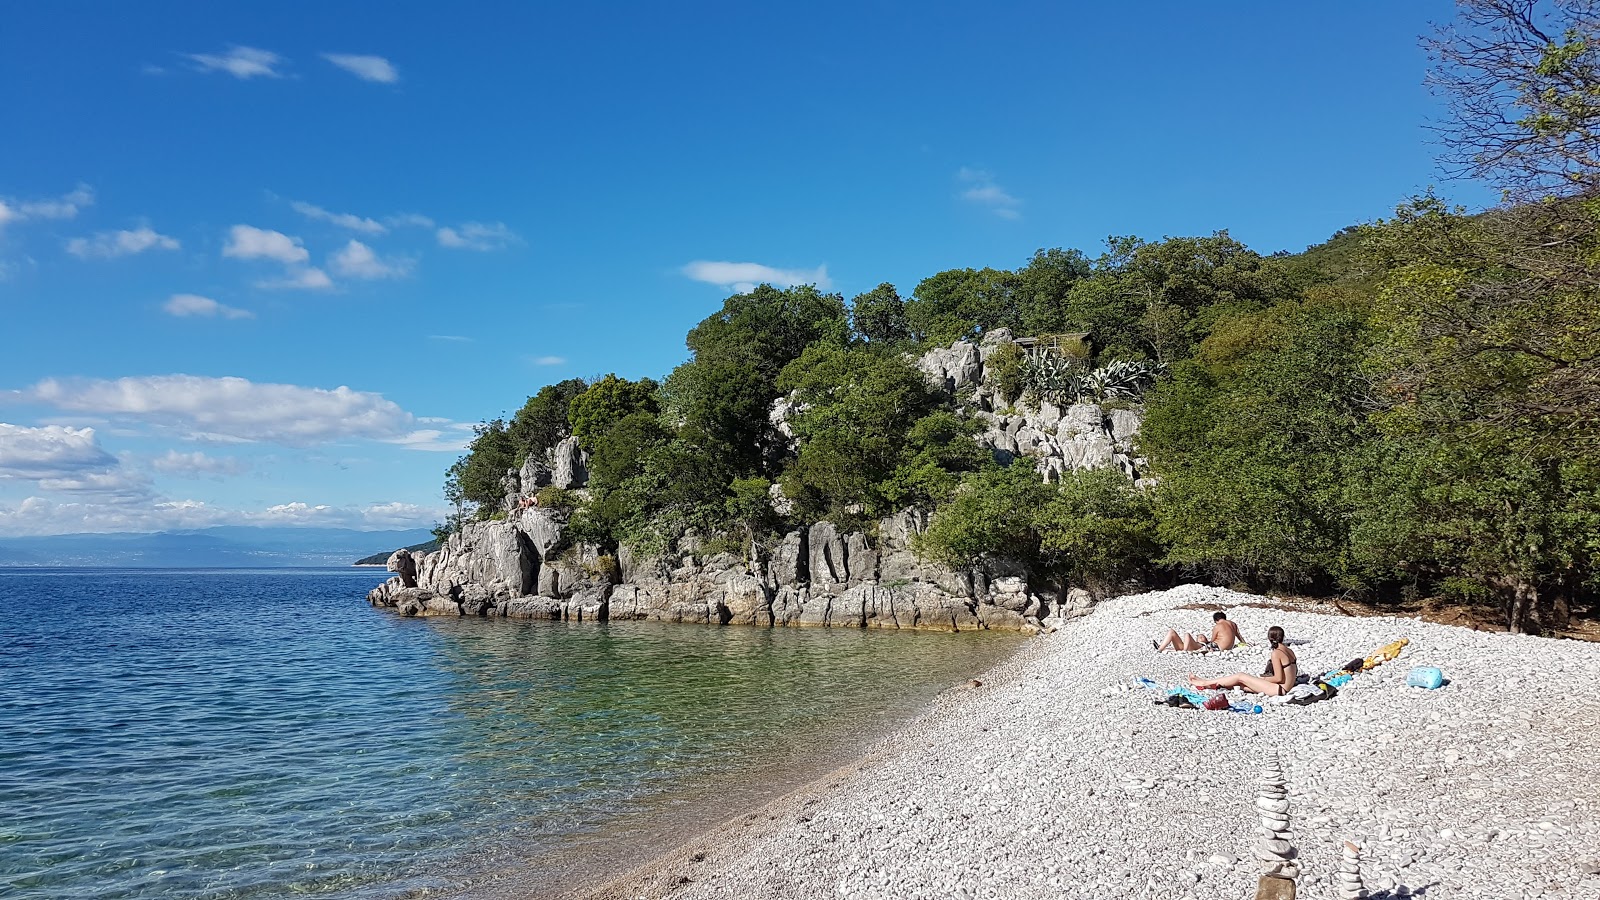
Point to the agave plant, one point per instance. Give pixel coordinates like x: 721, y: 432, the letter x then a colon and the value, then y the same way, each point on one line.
x: 1048, y: 376
x: 1119, y: 379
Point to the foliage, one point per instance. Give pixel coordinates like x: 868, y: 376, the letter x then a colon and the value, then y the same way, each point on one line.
x: 1522, y: 81
x: 1006, y: 367
x: 1094, y: 529
x: 1250, y: 439
x: 879, y: 316
x: 552, y: 497
x: 541, y: 423
x: 959, y: 304
x: 1098, y: 530
x: 607, y: 401
x: 854, y: 406
x: 480, y: 475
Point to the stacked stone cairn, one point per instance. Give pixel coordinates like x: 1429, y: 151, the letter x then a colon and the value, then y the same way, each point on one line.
x: 1349, y: 880
x: 1274, y: 850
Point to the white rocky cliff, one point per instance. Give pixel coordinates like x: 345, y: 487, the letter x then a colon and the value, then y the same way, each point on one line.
x: 526, y: 567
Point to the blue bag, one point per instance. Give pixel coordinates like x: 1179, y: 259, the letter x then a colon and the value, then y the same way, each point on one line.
x: 1425, y: 677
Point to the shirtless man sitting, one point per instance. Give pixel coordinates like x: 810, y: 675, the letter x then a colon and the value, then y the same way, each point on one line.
x: 1224, y: 634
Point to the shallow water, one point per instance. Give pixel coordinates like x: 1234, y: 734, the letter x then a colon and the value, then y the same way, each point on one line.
x: 260, y: 734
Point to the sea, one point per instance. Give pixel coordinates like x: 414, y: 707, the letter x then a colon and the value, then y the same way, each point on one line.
x: 233, y: 733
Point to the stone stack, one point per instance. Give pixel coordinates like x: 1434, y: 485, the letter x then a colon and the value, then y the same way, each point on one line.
x: 1348, y: 881
x: 1274, y: 850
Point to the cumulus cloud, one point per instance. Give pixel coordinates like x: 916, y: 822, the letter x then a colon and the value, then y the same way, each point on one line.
x: 982, y: 191
x: 248, y: 242
x: 357, y: 260
x: 232, y: 409
x: 50, y: 451
x: 112, y: 483
x: 744, y: 276
x: 343, y: 220
x: 66, y: 206
x: 477, y: 236
x: 111, y: 244
x: 198, y: 465
x: 366, y: 68
x: 240, y: 62
x: 183, y: 305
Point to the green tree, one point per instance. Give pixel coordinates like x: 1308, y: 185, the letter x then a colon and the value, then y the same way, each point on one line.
x: 959, y: 304
x: 1098, y: 531
x: 541, y: 423
x: 1251, y: 441
x: 879, y: 316
x: 854, y: 407
x: 1044, y: 286
x: 481, y: 478
x: 607, y: 402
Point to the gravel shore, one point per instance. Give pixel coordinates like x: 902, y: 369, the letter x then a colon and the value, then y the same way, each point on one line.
x: 1058, y: 777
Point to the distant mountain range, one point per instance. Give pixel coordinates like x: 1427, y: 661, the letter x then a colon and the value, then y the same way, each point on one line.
x: 223, y: 546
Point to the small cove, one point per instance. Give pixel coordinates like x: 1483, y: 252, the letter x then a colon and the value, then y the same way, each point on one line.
x: 266, y: 734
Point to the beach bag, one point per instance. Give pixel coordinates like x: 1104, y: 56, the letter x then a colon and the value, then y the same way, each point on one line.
x: 1425, y: 677
x: 1217, y: 701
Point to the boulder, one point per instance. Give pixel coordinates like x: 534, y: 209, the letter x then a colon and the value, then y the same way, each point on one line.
x: 828, y: 561
x: 403, y: 564
x: 569, y: 464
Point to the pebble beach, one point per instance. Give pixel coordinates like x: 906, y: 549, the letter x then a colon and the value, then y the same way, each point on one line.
x: 1056, y: 775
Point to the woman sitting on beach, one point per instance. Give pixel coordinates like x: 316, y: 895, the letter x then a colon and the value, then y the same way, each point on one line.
x: 1282, y: 672
x: 1224, y: 634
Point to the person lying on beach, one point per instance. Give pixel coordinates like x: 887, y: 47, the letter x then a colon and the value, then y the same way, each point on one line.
x: 1224, y: 634
x: 1283, y: 670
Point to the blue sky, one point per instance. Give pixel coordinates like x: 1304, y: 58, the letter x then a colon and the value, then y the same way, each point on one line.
x: 267, y: 263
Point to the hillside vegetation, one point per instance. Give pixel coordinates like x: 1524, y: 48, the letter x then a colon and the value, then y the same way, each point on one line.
x: 1410, y: 409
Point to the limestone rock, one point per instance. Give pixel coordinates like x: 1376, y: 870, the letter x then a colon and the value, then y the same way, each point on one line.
x: 569, y: 464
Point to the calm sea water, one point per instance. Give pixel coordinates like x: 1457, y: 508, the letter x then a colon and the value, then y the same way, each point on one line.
x: 262, y: 734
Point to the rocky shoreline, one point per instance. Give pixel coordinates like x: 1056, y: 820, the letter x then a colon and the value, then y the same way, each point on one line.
x: 1058, y: 777
x: 526, y: 566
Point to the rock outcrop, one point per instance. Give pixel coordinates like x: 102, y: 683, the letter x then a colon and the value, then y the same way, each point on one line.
x: 818, y: 575
x: 524, y: 567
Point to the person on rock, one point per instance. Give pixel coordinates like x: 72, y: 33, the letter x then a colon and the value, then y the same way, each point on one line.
x: 1283, y: 671
x: 1224, y: 634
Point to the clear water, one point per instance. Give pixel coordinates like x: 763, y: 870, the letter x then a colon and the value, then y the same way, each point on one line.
x: 262, y: 734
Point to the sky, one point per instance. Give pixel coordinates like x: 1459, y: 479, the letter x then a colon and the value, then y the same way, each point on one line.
x: 268, y: 263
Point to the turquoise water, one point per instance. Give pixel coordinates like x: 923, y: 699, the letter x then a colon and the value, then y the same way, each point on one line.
x: 262, y: 734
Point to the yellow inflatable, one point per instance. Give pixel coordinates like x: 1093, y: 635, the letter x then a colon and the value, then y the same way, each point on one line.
x: 1384, y: 654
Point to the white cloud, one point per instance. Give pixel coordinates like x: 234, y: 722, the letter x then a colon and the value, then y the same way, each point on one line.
x: 240, y: 62
x: 50, y: 451
x: 366, y: 68
x: 198, y: 465
x: 111, y: 244
x: 408, y: 220
x: 549, y: 360
x: 39, y: 516
x: 744, y: 276
x: 232, y: 409
x: 300, y: 278
x: 983, y: 191
x: 248, y: 242
x: 455, y: 338
x: 182, y: 305
x: 343, y: 220
x: 433, y: 439
x: 477, y: 236
x: 112, y: 483
x: 356, y: 260
x: 66, y: 206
